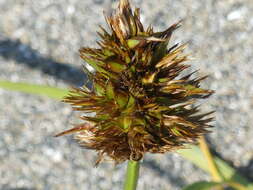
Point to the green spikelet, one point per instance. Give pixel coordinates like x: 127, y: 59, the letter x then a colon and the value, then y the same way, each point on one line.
x: 139, y: 101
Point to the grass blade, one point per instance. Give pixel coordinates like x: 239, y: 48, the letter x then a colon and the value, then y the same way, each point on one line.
x: 52, y: 92
x: 195, y: 155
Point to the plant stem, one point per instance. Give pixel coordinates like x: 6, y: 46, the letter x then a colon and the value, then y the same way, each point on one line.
x: 210, y: 161
x: 132, y: 175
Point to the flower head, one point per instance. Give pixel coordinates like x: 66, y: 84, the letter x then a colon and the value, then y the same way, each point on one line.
x: 139, y: 102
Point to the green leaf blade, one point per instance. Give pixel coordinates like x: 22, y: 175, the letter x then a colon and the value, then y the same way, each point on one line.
x: 42, y: 90
x: 194, y: 154
x: 202, y: 185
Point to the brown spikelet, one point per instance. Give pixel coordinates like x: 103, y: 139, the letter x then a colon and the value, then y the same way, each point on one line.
x: 139, y: 102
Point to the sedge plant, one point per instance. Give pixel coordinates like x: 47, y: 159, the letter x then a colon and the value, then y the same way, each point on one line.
x: 139, y: 102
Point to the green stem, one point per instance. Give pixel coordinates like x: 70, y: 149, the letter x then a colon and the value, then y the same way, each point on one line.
x: 132, y: 175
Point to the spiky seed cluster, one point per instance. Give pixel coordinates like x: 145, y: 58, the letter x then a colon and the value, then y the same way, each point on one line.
x: 139, y: 101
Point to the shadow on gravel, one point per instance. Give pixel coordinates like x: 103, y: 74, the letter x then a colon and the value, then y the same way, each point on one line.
x: 164, y: 173
x: 23, y: 54
x: 247, y: 170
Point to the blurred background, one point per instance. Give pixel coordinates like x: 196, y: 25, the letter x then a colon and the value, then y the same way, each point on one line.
x: 39, y: 42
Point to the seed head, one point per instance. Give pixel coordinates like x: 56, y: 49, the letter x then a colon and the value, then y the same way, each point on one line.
x: 139, y: 102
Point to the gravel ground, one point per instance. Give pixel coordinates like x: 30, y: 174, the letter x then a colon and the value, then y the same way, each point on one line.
x: 39, y: 42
